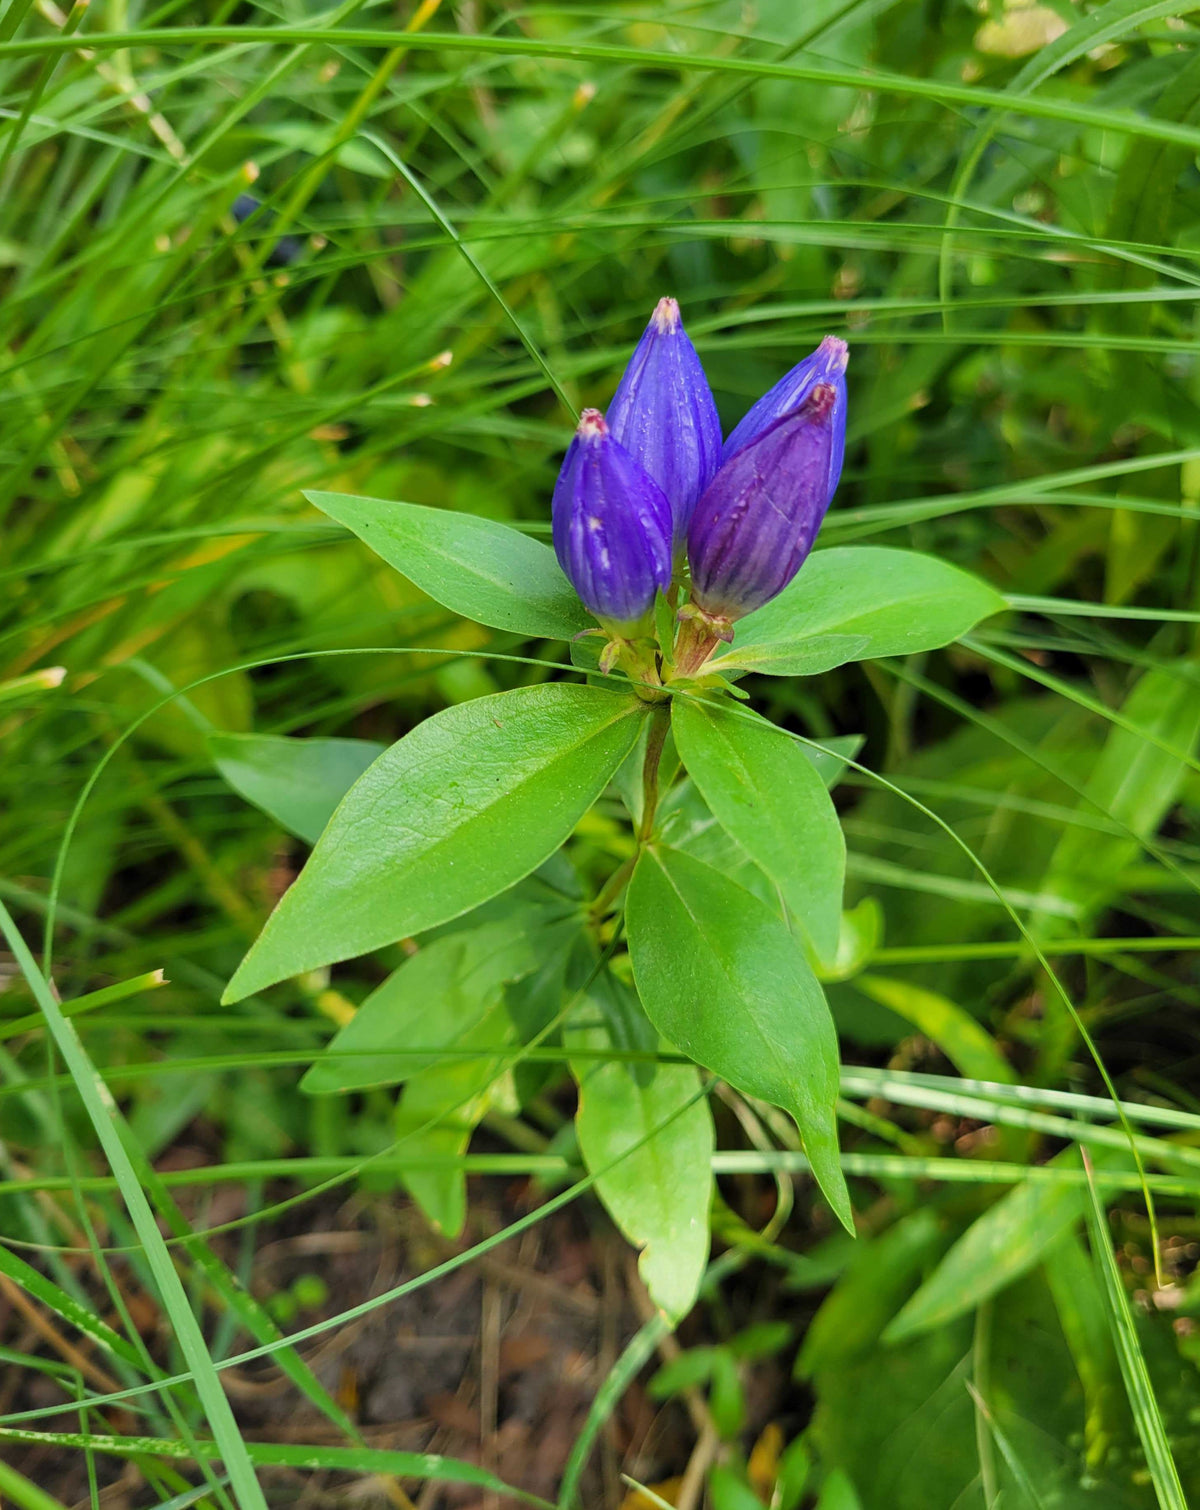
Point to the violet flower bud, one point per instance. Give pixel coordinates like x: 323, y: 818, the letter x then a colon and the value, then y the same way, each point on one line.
x: 664, y: 415
x: 826, y: 365
x: 757, y: 520
x: 612, y: 527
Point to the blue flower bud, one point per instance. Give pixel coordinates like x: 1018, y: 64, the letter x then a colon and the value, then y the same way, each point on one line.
x: 826, y: 365
x: 757, y: 520
x: 664, y: 415
x: 612, y: 527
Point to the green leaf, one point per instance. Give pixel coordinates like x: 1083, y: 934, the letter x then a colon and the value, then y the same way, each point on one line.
x: 1135, y: 781
x: 859, y: 936
x: 114, y: 1136
x: 687, y: 823
x: 298, y: 782
x: 854, y: 603
x: 881, y: 1272
x: 24, y: 1495
x: 969, y: 1046
x: 687, y: 1370
x: 311, y: 1459
x: 13, y: 1267
x: 535, y: 1001
x: 472, y: 800
x: 1139, y: 1387
x: 730, y: 1491
x: 1083, y: 1316
x: 838, y: 1493
x: 660, y: 1191
x: 721, y: 977
x: 497, y: 985
x: 428, y: 1003
x: 479, y: 568
x: 761, y: 1340
x: 830, y: 759
x: 795, y: 1466
x: 1008, y: 1240
x: 726, y: 1398
x: 772, y: 800
x: 440, y: 1109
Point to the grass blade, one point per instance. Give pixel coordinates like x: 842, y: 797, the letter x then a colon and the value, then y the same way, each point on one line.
x: 1146, y: 1414
x: 108, y: 1124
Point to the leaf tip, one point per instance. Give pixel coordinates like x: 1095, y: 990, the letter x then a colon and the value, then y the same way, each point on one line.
x: 239, y: 987
x: 900, y: 1328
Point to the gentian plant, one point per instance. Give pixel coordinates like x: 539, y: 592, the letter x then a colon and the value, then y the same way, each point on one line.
x: 687, y: 948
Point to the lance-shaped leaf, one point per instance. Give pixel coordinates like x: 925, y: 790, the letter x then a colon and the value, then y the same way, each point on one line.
x: 965, y: 1042
x: 649, y: 1129
x: 479, y: 568
x: 854, y: 603
x: 720, y: 975
x: 472, y: 800
x: 298, y: 782
x: 428, y: 1003
x: 768, y: 795
x: 440, y: 1109
x: 1001, y: 1245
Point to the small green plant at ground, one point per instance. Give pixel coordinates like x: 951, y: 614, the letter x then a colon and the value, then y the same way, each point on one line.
x: 691, y: 559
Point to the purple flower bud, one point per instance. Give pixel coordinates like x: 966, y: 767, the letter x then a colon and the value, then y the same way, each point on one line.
x: 826, y: 365
x: 664, y: 415
x: 757, y: 520
x: 612, y: 527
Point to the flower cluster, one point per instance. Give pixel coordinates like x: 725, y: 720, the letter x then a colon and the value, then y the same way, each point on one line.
x: 650, y: 498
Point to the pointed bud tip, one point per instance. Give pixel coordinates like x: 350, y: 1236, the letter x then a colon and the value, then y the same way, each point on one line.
x: 666, y: 316
x: 835, y: 352
x: 592, y: 425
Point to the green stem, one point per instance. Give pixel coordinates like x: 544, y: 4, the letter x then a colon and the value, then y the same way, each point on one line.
x: 660, y: 722
x: 981, y: 1367
x: 611, y: 889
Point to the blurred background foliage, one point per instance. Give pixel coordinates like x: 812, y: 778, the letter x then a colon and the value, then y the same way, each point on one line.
x: 996, y: 204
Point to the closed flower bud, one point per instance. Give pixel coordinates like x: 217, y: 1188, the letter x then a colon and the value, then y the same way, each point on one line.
x: 756, y: 522
x: 612, y: 527
x: 826, y: 365
x: 664, y: 415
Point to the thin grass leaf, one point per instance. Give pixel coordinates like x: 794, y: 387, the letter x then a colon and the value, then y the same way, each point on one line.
x: 108, y: 1123
x: 24, y: 1495
x: 1146, y: 1414
x: 426, y: 1466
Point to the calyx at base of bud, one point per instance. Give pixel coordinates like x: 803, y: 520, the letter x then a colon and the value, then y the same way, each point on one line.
x: 610, y: 655
x: 699, y: 635
x: 718, y: 625
x: 634, y: 654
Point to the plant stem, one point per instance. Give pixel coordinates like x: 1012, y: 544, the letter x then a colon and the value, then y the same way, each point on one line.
x: 609, y: 892
x: 660, y: 722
